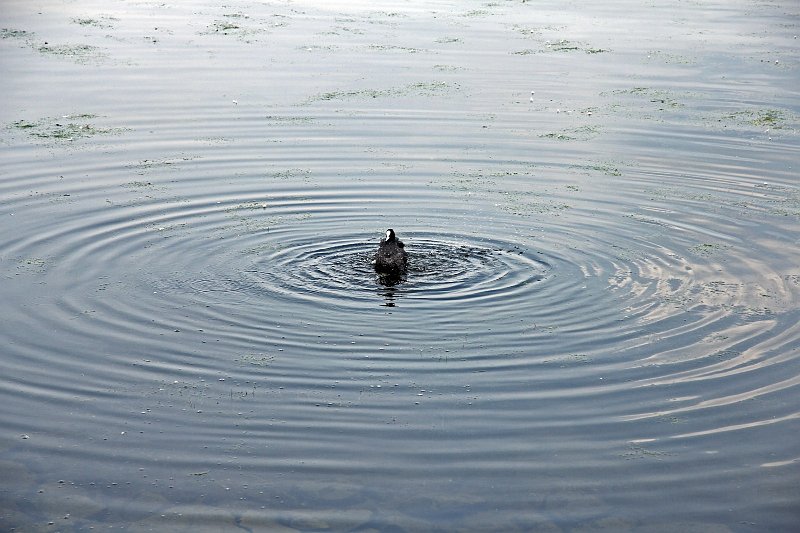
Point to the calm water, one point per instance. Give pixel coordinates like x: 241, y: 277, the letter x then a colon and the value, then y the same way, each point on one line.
x: 599, y: 330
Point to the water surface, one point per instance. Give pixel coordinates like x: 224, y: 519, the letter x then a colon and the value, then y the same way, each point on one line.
x: 598, y: 329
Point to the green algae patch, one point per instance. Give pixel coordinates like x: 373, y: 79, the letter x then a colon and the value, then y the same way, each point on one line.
x: 393, y: 48
x: 582, y: 133
x: 607, y: 168
x: 104, y: 21
x: 66, y: 128
x: 24, y: 125
x: 525, y: 205
x: 762, y: 118
x: 413, y: 89
x: 656, y: 96
x: 562, y: 46
x: 708, y: 249
x: 10, y: 33
x: 224, y: 26
x: 80, y: 53
x: 242, y: 26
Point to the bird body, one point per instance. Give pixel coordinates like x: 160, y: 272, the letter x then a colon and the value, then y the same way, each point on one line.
x: 391, y: 257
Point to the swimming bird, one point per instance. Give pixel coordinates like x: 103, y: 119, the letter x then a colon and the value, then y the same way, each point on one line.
x: 391, y: 257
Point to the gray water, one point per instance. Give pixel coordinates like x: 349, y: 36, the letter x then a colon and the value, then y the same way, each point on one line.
x: 599, y: 329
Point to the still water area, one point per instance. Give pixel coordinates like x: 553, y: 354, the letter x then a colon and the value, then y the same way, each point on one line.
x: 598, y: 330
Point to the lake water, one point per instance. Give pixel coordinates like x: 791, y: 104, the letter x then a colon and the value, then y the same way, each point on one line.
x: 599, y: 329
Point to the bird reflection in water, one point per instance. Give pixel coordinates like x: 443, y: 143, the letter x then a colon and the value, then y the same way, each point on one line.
x: 389, y: 289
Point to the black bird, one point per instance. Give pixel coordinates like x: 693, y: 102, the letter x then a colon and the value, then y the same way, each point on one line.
x: 391, y: 257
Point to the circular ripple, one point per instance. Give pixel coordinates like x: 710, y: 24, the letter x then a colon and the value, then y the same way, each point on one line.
x: 607, y: 315
x: 451, y: 267
x: 584, y: 288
